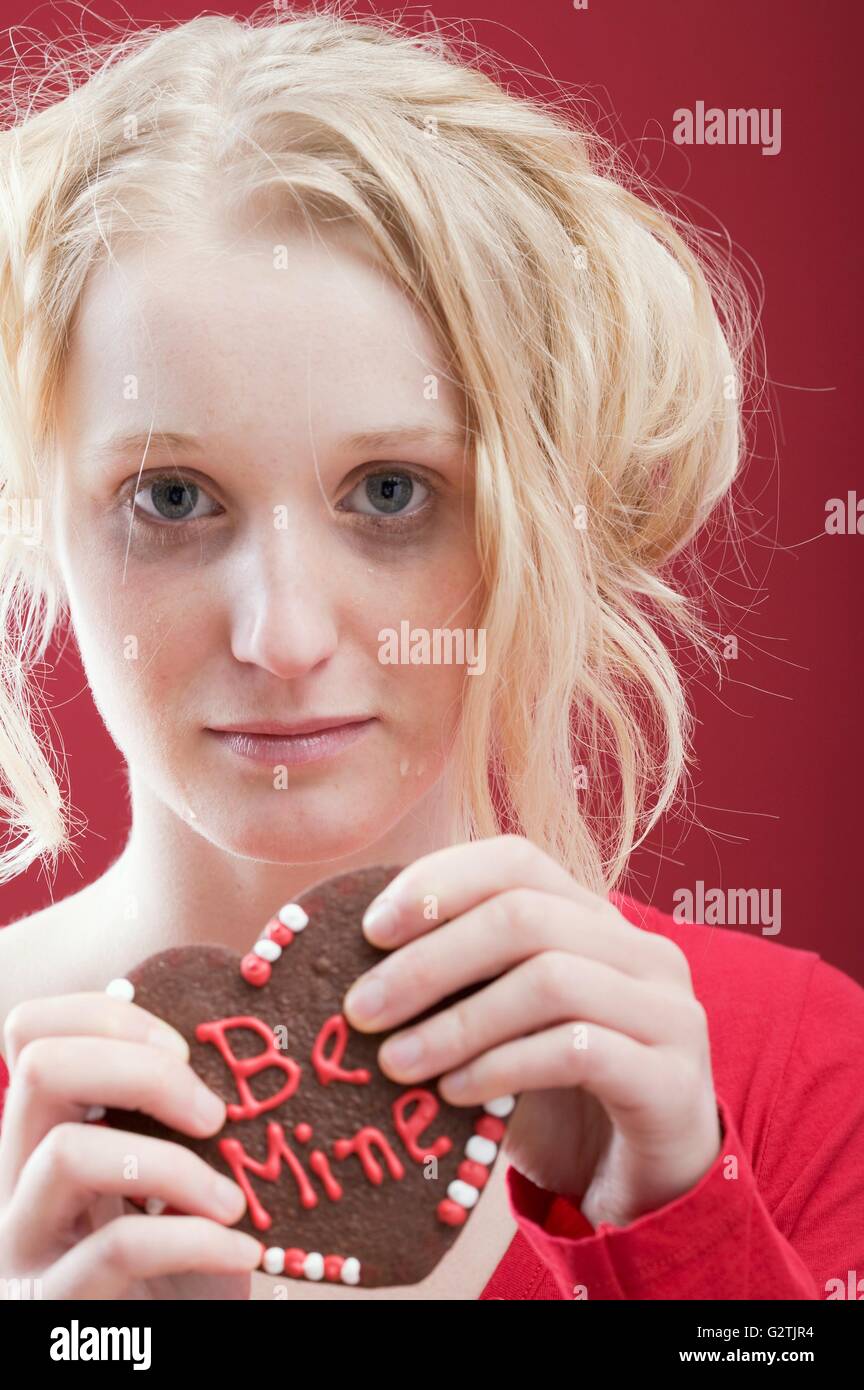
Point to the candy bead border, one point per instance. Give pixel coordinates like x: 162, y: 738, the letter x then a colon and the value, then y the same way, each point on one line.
x: 463, y: 1192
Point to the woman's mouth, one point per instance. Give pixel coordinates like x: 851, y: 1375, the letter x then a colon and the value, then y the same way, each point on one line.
x: 292, y: 749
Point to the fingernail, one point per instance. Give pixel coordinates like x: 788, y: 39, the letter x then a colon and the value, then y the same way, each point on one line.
x: 208, y: 1107
x: 366, y: 999
x: 228, y: 1198
x: 251, y: 1249
x: 168, y: 1037
x: 404, y: 1052
x: 379, y: 919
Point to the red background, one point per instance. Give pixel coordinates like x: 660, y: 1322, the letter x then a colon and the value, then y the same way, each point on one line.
x: 775, y: 795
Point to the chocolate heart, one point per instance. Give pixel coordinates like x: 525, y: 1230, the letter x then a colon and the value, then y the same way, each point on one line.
x: 349, y: 1176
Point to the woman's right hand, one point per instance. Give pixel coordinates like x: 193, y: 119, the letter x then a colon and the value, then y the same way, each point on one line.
x: 63, y: 1181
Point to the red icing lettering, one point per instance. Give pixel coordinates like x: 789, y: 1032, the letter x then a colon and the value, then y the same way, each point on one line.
x: 362, y: 1144
x: 409, y: 1129
x: 241, y: 1068
x: 321, y: 1168
x: 327, y: 1068
x: 277, y: 1150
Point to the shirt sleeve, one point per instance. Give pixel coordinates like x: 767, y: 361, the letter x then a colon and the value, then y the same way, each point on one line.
x: 797, y: 1232
x: 4, y: 1086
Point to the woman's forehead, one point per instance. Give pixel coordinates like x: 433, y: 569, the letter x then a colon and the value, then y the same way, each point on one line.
x: 305, y: 325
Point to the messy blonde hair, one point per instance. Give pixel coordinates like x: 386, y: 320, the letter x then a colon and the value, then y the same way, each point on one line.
x: 598, y: 339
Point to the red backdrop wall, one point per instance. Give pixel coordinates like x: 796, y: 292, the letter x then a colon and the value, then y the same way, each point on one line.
x: 775, y: 801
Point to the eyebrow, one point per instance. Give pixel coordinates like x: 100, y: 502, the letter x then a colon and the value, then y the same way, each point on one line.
x: 174, y: 441
x: 405, y: 434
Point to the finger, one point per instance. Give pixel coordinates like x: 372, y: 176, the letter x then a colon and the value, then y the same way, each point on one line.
x: 87, y: 1015
x: 488, y: 939
x: 438, y: 886
x: 55, y: 1081
x: 133, y: 1248
x: 543, y: 990
x: 649, y: 1104
x: 75, y: 1162
x: 624, y: 1075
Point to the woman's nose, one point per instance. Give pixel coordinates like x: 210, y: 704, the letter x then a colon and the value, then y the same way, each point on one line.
x: 282, y: 616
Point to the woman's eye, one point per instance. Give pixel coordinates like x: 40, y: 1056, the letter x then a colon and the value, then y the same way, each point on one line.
x: 170, y: 499
x: 388, y: 494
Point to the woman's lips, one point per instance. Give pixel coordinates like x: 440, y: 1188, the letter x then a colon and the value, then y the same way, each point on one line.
x: 292, y: 749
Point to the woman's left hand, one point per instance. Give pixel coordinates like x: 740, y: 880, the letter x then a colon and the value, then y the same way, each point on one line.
x: 593, y: 1020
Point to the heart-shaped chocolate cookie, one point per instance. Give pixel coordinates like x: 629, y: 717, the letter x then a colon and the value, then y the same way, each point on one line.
x: 349, y: 1177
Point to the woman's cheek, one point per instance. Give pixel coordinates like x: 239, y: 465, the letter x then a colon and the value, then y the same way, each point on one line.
x: 140, y: 648
x: 425, y: 707
x: 426, y: 697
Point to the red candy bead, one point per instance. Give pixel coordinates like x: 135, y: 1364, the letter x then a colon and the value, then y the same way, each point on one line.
x: 254, y: 970
x: 474, y: 1173
x: 333, y: 1268
x: 294, y: 1259
x: 278, y: 932
x: 490, y: 1127
x: 451, y: 1213
x: 302, y: 1132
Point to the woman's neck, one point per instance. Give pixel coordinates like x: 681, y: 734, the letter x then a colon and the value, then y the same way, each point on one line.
x: 171, y: 886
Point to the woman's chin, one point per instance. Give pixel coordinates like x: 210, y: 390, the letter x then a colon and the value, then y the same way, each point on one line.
x: 275, y: 842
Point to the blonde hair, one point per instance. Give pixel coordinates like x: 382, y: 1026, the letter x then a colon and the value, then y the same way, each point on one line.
x: 599, y: 340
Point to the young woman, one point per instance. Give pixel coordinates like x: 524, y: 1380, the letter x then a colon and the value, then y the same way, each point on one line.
x: 312, y: 334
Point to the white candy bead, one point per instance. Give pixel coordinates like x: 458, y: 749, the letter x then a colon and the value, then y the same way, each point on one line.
x: 463, y: 1192
x: 94, y: 1112
x: 313, y: 1265
x: 350, y: 1271
x: 121, y: 989
x: 501, y: 1106
x: 267, y: 949
x: 154, y: 1206
x: 481, y: 1150
x: 293, y: 916
x: 274, y: 1260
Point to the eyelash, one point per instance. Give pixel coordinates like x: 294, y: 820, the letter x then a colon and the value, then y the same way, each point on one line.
x: 168, y: 532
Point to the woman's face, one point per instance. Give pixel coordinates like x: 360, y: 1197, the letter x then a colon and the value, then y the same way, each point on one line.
x: 245, y: 574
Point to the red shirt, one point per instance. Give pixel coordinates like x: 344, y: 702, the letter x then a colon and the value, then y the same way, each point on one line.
x: 787, y: 1043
